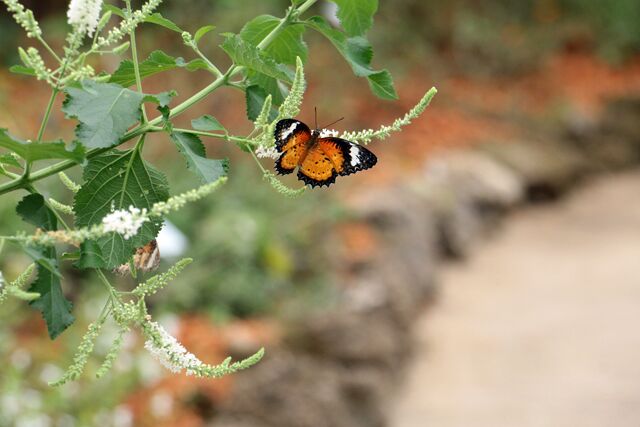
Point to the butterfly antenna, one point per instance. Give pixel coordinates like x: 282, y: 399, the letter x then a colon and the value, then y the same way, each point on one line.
x: 333, y: 123
x: 315, y: 111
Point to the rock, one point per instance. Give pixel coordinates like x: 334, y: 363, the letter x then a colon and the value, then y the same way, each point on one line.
x: 351, y: 338
x: 615, y: 141
x: 546, y: 168
x: 477, y: 176
x: 288, y: 390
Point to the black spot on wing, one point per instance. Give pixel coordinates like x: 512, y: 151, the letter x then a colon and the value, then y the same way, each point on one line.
x: 283, y: 126
x: 316, y: 183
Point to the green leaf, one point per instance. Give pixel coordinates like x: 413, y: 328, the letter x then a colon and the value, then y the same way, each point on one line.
x: 32, y: 209
x: 254, y: 96
x: 21, y: 69
x: 158, y: 19
x: 33, y: 151
x: 271, y: 86
x: 157, y: 62
x: 206, y: 123
x: 113, y: 9
x: 41, y: 256
x: 247, y: 55
x: 162, y: 99
x: 195, y: 64
x: 9, y: 160
x: 356, y: 16
x: 90, y: 255
x: 208, y: 170
x: 105, y: 111
x: 381, y: 85
x: 55, y: 308
x: 202, y: 31
x: 285, y: 47
x: 116, y: 180
x: 358, y: 53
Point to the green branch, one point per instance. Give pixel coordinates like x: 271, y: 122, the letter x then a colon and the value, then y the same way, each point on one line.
x: 16, y: 184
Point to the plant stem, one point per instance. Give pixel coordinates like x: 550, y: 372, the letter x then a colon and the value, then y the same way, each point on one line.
x: 224, y: 136
x: 303, y: 7
x: 136, y: 65
x: 210, y: 64
x: 47, y: 114
x: 106, y: 283
x: 49, y: 49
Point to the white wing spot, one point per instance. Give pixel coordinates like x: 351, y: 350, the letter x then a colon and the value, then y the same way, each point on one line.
x: 285, y: 133
x: 328, y: 132
x: 354, y: 152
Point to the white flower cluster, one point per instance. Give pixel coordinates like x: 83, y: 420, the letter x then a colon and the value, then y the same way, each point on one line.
x: 171, y: 353
x: 267, y: 152
x: 125, y: 222
x: 1, y: 280
x: 324, y: 133
x: 84, y: 15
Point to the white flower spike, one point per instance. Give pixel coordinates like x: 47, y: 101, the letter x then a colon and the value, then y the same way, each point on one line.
x: 84, y: 15
x: 125, y: 222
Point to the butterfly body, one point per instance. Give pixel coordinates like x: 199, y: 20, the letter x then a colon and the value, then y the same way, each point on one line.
x: 319, y: 157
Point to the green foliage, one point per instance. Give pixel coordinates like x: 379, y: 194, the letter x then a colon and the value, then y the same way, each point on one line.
x: 105, y: 111
x: 55, y: 308
x: 207, y: 123
x: 615, y: 24
x: 356, y: 17
x: 358, y: 53
x: 112, y: 181
x: 202, y: 31
x: 285, y: 47
x: 157, y: 62
x: 247, y: 55
x: 33, y: 151
x: 268, y: 86
x: 33, y: 210
x: 191, y: 147
x: 160, y: 20
x: 255, y: 97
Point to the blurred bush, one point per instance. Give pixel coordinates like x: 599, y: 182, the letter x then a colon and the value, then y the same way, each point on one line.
x: 501, y: 36
x: 254, y: 248
x: 492, y: 36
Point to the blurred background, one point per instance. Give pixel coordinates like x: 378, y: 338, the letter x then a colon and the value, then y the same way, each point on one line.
x: 531, y: 327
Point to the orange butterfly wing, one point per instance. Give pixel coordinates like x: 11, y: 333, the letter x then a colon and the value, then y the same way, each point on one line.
x: 292, y: 137
x: 318, y: 167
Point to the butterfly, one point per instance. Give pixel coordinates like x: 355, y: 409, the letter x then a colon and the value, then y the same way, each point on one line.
x: 319, y: 157
x: 146, y: 258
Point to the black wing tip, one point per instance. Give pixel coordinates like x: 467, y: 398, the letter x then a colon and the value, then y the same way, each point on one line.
x: 315, y: 183
x: 367, y: 160
x: 284, y: 123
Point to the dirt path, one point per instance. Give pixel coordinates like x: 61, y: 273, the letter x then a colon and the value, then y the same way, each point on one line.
x: 541, y: 327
